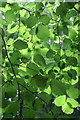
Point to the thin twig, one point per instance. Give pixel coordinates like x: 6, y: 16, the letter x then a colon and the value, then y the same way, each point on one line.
x: 7, y: 55
x: 33, y: 93
x: 21, y: 108
x: 76, y: 9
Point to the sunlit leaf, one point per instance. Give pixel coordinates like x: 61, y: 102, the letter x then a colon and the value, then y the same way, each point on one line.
x: 73, y: 102
x: 42, y: 32
x: 10, y: 16
x: 67, y: 109
x: 59, y: 101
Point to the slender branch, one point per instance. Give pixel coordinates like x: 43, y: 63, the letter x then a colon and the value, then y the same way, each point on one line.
x: 8, y: 56
x: 21, y: 108
x: 76, y: 9
x: 18, y: 92
x: 33, y: 93
x: 25, y: 9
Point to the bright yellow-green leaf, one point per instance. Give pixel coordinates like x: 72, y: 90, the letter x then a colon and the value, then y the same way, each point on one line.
x: 66, y: 108
x: 73, y: 102
x: 59, y: 101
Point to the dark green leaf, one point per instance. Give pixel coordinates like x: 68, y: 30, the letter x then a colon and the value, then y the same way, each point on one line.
x: 71, y: 61
x: 19, y: 44
x: 39, y: 59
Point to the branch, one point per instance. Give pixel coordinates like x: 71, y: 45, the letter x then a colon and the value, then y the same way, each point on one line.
x: 21, y: 108
x: 8, y: 56
x: 21, y: 8
x: 76, y: 9
x: 25, y: 9
x: 18, y: 92
x: 33, y: 93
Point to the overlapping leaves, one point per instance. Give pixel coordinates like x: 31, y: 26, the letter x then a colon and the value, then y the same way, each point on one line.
x: 40, y: 49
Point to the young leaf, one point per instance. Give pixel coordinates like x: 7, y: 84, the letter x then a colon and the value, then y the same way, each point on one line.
x: 73, y: 102
x: 59, y: 101
x: 66, y: 108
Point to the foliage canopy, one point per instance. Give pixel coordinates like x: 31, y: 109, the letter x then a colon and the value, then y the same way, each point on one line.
x: 40, y: 59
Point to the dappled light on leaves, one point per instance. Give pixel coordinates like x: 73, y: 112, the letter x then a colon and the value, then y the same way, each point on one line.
x: 40, y: 60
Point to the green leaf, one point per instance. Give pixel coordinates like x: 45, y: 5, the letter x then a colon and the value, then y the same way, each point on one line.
x: 27, y: 97
x: 15, y: 6
x: 58, y: 88
x: 73, y: 92
x: 31, y: 21
x: 45, y: 96
x: 19, y: 80
x: 78, y: 46
x: 13, y: 107
x: 61, y: 65
x: 69, y: 5
x: 71, y: 61
x: 28, y: 113
x: 72, y: 73
x: 50, y: 53
x: 11, y: 91
x: 67, y: 43
x: 5, y: 103
x: 59, y: 101
x: 73, y: 102
x: 10, y: 16
x: 39, y: 59
x: 41, y: 81
x: 12, y: 28
x: 42, y: 32
x: 57, y: 57
x: 3, y: 4
x: 15, y: 56
x: 66, y: 108
x: 25, y: 53
x: 45, y: 19
x: 61, y: 10
x: 32, y: 69
x: 39, y: 7
x: 72, y: 34
x: 38, y: 104
x: 19, y: 44
x: 51, y: 74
